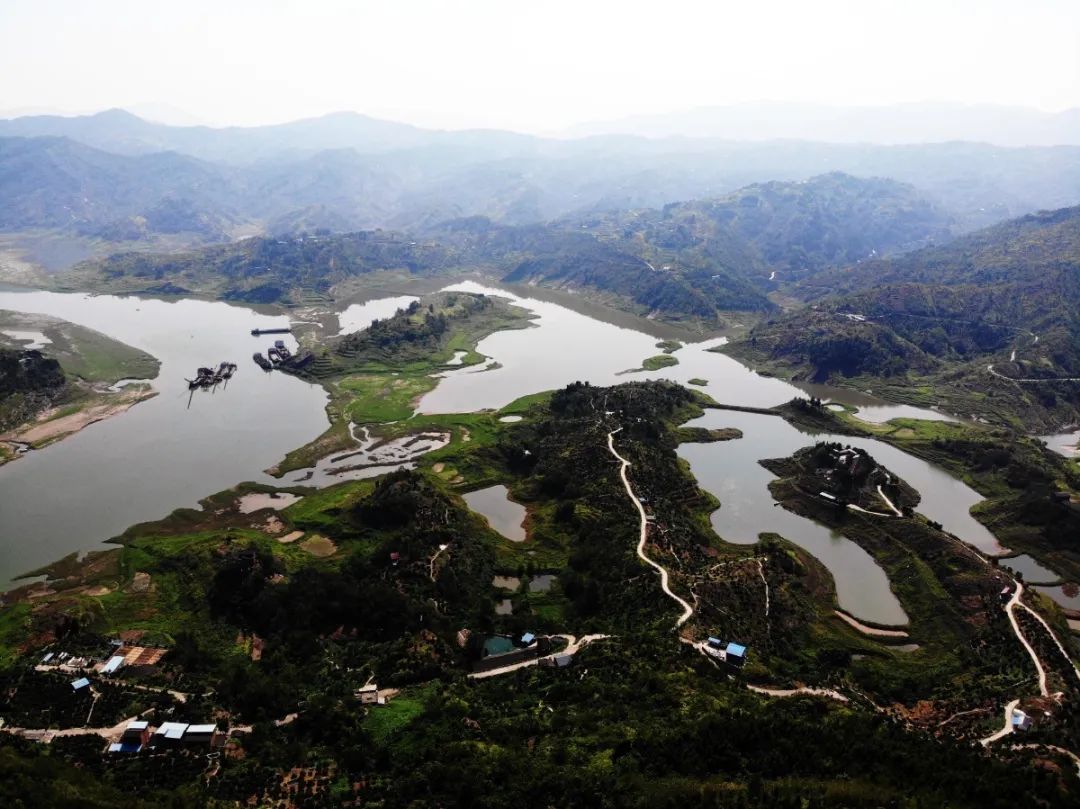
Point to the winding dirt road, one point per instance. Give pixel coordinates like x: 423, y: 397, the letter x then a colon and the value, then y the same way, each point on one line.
x: 644, y: 534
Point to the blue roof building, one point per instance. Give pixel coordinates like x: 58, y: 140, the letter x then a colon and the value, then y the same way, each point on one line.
x: 527, y: 638
x: 735, y: 654
x: 80, y: 684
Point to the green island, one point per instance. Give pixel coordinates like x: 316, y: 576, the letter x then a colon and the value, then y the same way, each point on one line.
x: 64, y: 383
x: 378, y: 375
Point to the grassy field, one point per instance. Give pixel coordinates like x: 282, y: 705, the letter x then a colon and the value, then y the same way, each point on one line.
x: 82, y: 352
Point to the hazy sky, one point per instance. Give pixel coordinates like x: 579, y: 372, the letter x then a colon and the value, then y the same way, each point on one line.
x: 534, y: 66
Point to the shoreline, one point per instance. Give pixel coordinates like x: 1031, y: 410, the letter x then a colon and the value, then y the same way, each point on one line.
x: 49, y: 428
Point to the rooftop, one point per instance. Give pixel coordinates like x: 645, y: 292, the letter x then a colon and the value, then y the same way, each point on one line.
x: 172, y: 730
x: 114, y: 663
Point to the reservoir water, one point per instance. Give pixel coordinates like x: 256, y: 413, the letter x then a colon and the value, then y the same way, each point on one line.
x: 164, y: 454
x: 730, y: 471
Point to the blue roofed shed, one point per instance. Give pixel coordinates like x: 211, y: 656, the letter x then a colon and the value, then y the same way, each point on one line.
x: 527, y: 638
x: 80, y: 684
x: 735, y: 653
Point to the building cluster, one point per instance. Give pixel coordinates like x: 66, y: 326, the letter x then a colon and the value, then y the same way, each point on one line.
x: 107, y: 662
x: 505, y: 650
x: 168, y: 736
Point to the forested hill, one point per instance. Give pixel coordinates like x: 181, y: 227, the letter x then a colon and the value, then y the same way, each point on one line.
x: 264, y: 269
x: 695, y: 260
x: 29, y: 382
x: 792, y: 228
x: 1007, y: 297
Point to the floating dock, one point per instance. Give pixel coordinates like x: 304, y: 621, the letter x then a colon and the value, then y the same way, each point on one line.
x: 257, y: 332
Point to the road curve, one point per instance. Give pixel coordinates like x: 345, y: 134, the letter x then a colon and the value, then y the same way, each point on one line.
x: 644, y: 533
x: 1006, y: 728
x: 573, y: 645
x: 1010, y: 611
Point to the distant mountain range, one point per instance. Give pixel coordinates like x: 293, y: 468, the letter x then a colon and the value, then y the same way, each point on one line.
x: 928, y: 122
x: 687, y: 260
x: 113, y: 174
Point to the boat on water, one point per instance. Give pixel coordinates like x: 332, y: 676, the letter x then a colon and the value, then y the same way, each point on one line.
x: 207, y: 377
x: 262, y: 361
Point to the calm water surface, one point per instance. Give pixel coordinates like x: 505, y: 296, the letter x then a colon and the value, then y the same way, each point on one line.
x: 502, y: 513
x: 163, y: 453
x: 1031, y: 570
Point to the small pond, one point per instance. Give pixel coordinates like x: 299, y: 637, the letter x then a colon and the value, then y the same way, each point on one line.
x: 502, y: 513
x: 1031, y: 570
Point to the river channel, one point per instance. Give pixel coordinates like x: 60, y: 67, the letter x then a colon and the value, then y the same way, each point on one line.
x: 164, y: 453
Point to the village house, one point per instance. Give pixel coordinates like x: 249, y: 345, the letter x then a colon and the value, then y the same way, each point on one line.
x: 368, y: 694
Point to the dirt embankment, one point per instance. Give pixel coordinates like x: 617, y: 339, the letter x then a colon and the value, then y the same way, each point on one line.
x: 50, y: 426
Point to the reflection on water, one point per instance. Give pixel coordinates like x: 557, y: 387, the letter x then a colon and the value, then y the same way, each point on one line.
x: 1067, y: 444
x: 565, y: 345
x: 502, y: 513
x: 1030, y: 569
x: 1067, y: 595
x: 161, y: 454
x: 730, y: 471
x: 358, y: 316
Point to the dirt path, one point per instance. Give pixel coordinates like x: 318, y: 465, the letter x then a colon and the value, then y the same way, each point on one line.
x: 761, y: 572
x: 431, y: 561
x: 644, y: 534
x: 1053, y: 637
x: 45, y: 735
x: 889, y: 502
x: 796, y: 692
x: 573, y: 646
x: 1010, y: 609
x: 869, y: 630
x: 1006, y: 729
x: 990, y: 368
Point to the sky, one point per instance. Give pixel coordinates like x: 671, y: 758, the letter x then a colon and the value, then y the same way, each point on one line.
x: 534, y: 66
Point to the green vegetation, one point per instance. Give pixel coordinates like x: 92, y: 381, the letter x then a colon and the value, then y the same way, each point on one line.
x: 70, y: 375
x: 697, y: 381
x: 658, y: 362
x: 951, y: 325
x: 29, y: 383
x: 378, y: 375
x: 637, y: 719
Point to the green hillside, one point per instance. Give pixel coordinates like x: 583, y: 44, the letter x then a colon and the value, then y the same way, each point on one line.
x: 989, y: 322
